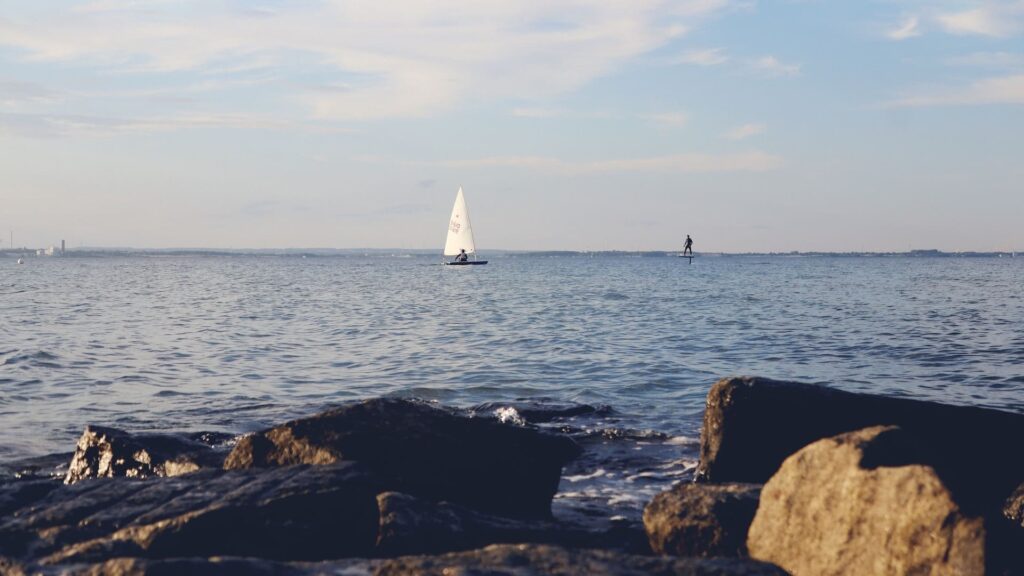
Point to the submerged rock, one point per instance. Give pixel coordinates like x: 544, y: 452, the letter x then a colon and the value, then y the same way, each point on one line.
x: 507, y: 559
x: 702, y: 519
x: 295, y: 513
x: 104, y: 452
x: 409, y: 525
x: 752, y: 424
x: 855, y: 504
x: 430, y: 452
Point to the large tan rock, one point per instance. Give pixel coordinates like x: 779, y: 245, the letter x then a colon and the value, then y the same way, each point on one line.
x: 849, y: 505
x: 701, y: 519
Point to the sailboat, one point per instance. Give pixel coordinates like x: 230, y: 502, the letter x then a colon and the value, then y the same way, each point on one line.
x: 460, y: 234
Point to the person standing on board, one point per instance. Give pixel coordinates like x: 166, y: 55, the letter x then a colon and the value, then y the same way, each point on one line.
x: 688, y: 246
x: 462, y: 257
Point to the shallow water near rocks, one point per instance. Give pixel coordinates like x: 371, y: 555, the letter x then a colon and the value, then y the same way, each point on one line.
x: 617, y: 351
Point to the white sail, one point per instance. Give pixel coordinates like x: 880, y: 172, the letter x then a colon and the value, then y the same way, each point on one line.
x: 460, y: 231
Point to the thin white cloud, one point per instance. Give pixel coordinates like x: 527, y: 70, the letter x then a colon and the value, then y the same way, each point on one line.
x: 706, y: 57
x: 995, y: 19
x: 745, y: 131
x: 989, y: 60
x: 997, y: 90
x: 403, y: 58
x: 16, y: 92
x: 64, y: 125
x: 668, y: 119
x: 909, y: 28
x: 676, y: 163
x: 537, y: 112
x: 772, y: 66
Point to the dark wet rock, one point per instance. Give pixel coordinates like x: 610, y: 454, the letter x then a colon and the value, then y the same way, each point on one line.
x: 1014, y: 507
x: 294, y: 513
x: 409, y: 525
x: 702, y: 519
x: 108, y: 453
x: 423, y: 450
x: 752, y: 424
x: 857, y: 503
x: 505, y: 559
x: 17, y: 494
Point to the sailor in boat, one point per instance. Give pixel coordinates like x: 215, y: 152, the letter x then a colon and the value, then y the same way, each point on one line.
x: 688, y: 246
x: 462, y: 257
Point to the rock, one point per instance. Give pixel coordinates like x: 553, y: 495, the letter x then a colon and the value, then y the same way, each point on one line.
x: 853, y: 504
x: 425, y: 451
x: 702, y: 519
x: 108, y: 453
x: 752, y: 424
x: 18, y: 494
x: 409, y: 525
x: 505, y: 559
x: 1014, y: 507
x: 9, y: 567
x: 294, y: 513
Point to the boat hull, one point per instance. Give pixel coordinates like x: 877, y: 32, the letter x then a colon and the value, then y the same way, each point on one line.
x: 469, y: 263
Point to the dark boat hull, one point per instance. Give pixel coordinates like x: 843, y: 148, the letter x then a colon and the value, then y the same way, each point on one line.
x: 467, y: 263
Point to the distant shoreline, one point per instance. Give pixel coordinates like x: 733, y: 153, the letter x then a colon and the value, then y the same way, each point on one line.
x: 404, y: 252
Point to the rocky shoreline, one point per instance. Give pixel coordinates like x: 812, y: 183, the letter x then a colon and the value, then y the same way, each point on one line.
x: 793, y: 478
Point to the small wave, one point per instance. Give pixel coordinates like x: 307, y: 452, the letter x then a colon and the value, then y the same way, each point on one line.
x: 542, y: 411
x: 581, y: 477
x: 38, y: 358
x: 614, y: 296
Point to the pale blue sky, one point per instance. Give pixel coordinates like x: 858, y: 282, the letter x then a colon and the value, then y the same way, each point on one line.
x: 753, y: 126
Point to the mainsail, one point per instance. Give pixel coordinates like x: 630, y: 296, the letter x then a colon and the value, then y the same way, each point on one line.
x: 460, y: 231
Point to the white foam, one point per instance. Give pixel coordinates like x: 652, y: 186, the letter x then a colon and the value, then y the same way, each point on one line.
x: 509, y: 415
x: 579, y: 477
x: 681, y: 441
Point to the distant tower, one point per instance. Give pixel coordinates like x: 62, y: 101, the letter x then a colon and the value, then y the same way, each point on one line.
x: 61, y: 247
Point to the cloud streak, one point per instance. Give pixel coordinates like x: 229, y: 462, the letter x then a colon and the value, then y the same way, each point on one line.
x: 996, y: 90
x: 673, y: 164
x: 745, y: 131
x: 66, y: 125
x: 772, y: 66
x: 909, y: 28
x: 993, y: 19
x: 399, y: 59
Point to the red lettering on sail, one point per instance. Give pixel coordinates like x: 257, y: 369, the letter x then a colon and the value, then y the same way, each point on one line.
x: 454, y: 226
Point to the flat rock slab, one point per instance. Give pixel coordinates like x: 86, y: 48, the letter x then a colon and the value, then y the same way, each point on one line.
x: 409, y: 525
x: 506, y: 559
x: 104, y: 452
x: 752, y: 424
x: 295, y: 513
x: 839, y: 507
x: 702, y: 519
x: 433, y: 453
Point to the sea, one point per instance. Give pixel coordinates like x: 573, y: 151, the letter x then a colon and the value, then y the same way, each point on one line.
x: 618, y: 351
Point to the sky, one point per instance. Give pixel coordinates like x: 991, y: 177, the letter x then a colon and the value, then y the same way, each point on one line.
x: 571, y: 125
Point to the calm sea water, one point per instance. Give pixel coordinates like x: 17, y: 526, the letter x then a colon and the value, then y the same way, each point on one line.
x: 233, y: 344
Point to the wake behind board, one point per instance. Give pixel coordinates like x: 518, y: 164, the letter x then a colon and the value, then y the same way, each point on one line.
x: 468, y: 263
